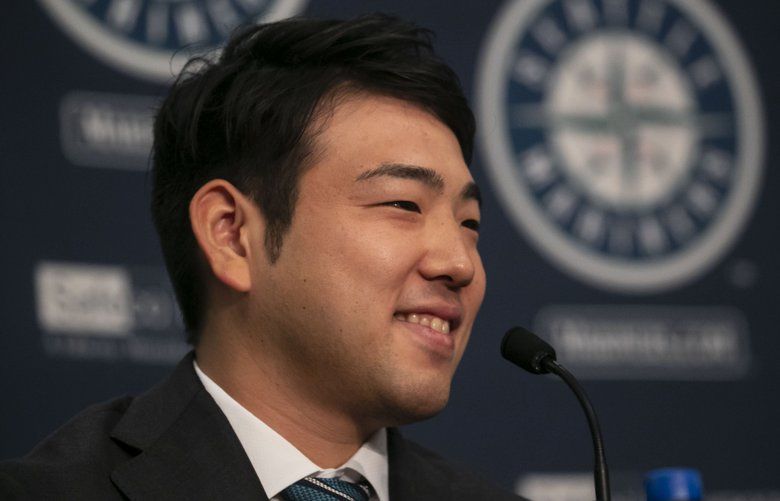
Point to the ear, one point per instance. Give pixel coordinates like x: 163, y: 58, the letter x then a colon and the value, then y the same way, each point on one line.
x: 225, y: 223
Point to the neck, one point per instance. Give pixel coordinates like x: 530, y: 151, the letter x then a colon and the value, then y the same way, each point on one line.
x: 323, y: 434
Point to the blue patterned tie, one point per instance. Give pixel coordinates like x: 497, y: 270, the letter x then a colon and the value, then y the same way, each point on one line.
x: 326, y: 489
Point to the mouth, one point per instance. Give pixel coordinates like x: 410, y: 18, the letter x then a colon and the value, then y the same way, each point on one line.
x: 436, y: 323
x: 435, y: 332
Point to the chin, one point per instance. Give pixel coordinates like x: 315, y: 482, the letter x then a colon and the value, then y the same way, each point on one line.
x: 418, y: 403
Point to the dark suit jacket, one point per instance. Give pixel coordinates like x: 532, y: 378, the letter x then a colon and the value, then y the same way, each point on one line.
x: 173, y: 442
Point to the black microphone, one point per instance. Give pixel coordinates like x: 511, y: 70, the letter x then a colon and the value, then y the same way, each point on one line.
x: 526, y: 349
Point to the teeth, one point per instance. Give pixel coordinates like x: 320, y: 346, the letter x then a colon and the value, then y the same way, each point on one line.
x: 435, y: 323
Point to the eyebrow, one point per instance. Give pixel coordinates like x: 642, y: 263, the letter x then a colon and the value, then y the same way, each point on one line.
x: 427, y: 176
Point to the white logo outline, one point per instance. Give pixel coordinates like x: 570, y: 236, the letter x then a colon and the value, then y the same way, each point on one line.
x: 577, y: 260
x: 130, y: 56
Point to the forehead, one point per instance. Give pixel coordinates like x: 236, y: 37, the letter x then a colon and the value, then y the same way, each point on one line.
x: 364, y: 131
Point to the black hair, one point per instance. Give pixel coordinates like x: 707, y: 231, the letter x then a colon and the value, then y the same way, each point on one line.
x: 246, y: 116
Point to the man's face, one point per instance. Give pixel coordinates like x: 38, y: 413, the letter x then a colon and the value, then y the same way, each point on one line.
x: 371, y: 302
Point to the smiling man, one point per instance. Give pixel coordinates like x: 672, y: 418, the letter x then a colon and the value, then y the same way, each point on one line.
x: 320, y: 226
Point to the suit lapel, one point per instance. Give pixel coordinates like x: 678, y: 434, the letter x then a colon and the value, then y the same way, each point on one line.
x: 185, y: 446
x: 411, y: 476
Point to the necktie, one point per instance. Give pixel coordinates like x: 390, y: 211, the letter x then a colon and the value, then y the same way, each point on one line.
x: 326, y: 489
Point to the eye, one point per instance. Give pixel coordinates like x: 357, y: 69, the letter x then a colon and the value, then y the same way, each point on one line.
x: 471, y: 224
x: 404, y: 205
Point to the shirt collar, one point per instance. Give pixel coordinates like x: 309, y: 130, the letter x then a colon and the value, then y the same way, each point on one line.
x: 279, y: 464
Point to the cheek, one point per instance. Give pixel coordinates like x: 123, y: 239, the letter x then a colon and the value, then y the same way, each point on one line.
x: 348, y: 276
x: 372, y: 259
x: 480, y: 282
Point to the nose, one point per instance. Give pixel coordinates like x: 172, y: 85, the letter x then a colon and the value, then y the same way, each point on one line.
x: 451, y: 255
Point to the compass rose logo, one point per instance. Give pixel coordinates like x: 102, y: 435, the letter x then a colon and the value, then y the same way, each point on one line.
x: 152, y: 39
x: 623, y: 137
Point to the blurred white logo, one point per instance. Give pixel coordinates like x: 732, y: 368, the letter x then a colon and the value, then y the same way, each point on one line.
x: 623, y: 137
x: 648, y: 342
x: 91, y: 311
x: 107, y: 130
x: 84, y: 299
x: 556, y: 486
x: 152, y: 39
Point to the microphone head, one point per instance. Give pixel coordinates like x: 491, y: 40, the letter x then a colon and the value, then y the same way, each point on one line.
x: 526, y: 349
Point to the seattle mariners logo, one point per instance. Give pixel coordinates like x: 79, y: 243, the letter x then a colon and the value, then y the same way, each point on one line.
x: 624, y: 137
x: 146, y: 37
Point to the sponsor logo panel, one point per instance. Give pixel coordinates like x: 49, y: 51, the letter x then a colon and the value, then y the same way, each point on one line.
x: 649, y: 342
x: 107, y: 312
x: 83, y: 299
x: 107, y: 130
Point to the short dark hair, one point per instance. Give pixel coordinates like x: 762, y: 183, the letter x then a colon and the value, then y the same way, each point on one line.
x: 246, y: 117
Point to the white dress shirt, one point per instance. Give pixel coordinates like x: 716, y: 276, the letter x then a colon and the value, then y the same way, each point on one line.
x: 279, y: 464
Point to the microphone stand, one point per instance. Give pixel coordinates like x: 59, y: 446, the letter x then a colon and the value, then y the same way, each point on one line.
x: 600, y: 474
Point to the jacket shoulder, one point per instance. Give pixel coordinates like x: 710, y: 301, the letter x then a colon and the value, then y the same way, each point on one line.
x: 76, y: 456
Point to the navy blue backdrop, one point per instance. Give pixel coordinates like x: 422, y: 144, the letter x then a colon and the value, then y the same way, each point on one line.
x: 626, y: 158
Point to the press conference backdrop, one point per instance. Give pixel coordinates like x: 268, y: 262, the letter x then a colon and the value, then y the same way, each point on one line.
x: 627, y: 159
